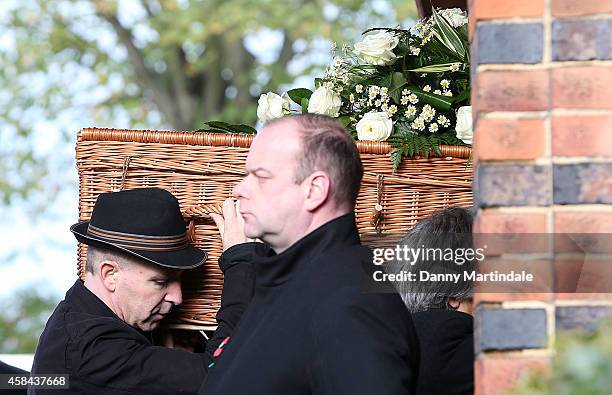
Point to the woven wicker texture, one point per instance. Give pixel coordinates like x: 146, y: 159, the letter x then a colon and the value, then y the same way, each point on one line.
x: 201, y: 169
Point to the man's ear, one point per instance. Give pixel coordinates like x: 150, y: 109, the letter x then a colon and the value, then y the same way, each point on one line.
x: 108, y: 272
x: 317, y: 189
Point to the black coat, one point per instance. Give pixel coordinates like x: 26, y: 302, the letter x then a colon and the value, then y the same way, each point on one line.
x: 104, y: 355
x: 8, y: 369
x: 311, y: 328
x: 446, y: 340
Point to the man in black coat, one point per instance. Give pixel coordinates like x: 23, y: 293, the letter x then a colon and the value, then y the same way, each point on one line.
x: 311, y: 326
x: 100, y: 334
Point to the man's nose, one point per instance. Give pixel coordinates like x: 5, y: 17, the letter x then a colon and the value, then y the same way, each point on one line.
x: 174, y: 295
x: 239, y: 189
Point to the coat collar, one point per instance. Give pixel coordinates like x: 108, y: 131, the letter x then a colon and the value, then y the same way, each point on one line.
x: 274, y: 269
x: 81, y: 299
x: 86, y: 301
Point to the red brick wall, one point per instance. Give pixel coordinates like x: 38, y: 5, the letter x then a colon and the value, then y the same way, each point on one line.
x: 542, y: 105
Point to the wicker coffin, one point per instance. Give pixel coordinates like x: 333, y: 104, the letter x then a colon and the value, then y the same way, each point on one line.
x: 200, y: 169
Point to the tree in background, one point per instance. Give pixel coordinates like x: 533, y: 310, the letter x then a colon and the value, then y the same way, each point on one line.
x: 158, y: 63
x: 22, y: 321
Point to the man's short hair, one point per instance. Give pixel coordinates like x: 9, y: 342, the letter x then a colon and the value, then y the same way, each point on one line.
x: 327, y: 147
x: 96, y: 255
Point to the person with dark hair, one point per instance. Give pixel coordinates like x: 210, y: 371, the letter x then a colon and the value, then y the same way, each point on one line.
x: 441, y: 310
x: 310, y: 328
x: 100, y: 334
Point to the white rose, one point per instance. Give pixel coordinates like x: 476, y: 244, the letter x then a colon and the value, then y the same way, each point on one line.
x: 377, y: 48
x: 374, y: 126
x: 325, y: 101
x: 464, y: 124
x: 455, y: 16
x: 271, y: 106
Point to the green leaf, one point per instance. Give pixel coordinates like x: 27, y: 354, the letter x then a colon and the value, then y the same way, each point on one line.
x: 219, y: 125
x: 298, y: 94
x: 435, y: 68
x: 447, y: 35
x: 398, y: 81
x: 386, y: 80
x: 437, y: 101
x: 396, y: 158
x: 463, y: 97
x: 304, y: 105
x: 401, y: 49
x: 224, y: 127
x: 345, y: 120
x: 241, y: 128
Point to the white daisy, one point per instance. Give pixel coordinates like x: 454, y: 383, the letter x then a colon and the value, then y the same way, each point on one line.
x: 444, y: 121
x: 410, y: 111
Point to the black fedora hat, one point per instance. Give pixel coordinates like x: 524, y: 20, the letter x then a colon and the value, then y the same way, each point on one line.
x: 145, y: 223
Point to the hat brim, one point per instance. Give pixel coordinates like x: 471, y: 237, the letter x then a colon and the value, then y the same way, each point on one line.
x: 187, y: 258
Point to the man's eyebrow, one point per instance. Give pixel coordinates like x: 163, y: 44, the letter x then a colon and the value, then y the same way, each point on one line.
x: 260, y: 170
x: 166, y: 276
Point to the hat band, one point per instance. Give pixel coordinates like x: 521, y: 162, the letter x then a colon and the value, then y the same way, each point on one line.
x: 139, y: 242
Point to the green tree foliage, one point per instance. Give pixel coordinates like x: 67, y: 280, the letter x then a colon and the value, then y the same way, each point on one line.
x: 158, y: 63
x: 581, y: 366
x: 22, y: 321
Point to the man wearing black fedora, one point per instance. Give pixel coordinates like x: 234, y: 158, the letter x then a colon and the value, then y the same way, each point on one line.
x: 100, y: 334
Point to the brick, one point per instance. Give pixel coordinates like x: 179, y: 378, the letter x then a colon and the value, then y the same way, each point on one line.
x: 472, y: 6
x: 495, y: 9
x: 582, y: 183
x: 541, y: 270
x: 512, y: 185
x: 510, y: 42
x: 581, y: 39
x: 581, y: 135
x: 499, y: 222
x: 512, y: 90
x: 511, y: 232
x: 581, y: 273
x: 495, y: 375
x: 509, y: 329
x: 584, y: 296
x: 583, y: 7
x: 583, y: 222
x: 498, y: 297
x: 510, y: 139
x: 582, y: 87
x: 585, y: 318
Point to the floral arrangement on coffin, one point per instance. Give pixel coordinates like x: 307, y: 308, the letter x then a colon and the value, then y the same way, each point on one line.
x: 408, y: 87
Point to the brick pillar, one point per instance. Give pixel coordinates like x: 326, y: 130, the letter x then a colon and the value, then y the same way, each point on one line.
x: 542, y: 105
